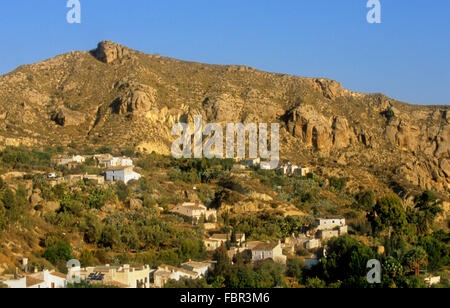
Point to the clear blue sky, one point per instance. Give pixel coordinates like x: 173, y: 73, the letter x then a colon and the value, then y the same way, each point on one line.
x: 406, y: 57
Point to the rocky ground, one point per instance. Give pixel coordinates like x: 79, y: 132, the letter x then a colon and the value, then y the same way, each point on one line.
x: 119, y: 97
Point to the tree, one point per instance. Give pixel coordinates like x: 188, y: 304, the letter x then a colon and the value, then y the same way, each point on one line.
x: 438, y: 252
x: 392, y: 273
x: 346, y: 261
x: 14, y: 204
x: 110, y: 237
x: 365, y: 200
x: 415, y: 259
x: 57, y: 252
x: 294, y: 268
x: 388, y: 212
x: 223, y: 261
x: 129, y: 237
x: 428, y: 207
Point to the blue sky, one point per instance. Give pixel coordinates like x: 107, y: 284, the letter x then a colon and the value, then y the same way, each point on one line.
x: 406, y: 57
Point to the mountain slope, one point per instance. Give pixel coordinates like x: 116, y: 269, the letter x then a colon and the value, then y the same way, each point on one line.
x: 119, y: 97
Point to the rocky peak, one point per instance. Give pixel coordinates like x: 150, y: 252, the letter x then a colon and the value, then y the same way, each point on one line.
x: 108, y: 51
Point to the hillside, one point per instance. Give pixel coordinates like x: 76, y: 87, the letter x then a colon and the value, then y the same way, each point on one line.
x: 118, y: 97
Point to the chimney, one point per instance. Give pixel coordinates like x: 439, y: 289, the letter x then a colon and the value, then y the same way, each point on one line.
x: 25, y: 264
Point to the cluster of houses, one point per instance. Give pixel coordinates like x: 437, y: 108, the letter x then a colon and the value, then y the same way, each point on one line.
x: 117, y: 169
x: 328, y: 227
x: 36, y: 280
x: 287, y: 169
x: 125, y: 276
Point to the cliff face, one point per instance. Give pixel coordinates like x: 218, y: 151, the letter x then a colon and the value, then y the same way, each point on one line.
x: 120, y: 97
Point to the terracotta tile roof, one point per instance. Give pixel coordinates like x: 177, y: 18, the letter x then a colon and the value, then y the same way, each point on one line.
x: 265, y: 246
x: 60, y: 275
x: 30, y: 281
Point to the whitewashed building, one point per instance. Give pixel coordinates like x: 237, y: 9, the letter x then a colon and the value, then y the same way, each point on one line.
x: 330, y: 223
x: 201, y: 268
x: 118, y: 162
x: 62, y: 160
x: 39, y: 280
x: 124, y: 174
x: 195, y: 211
x: 165, y: 273
x: 266, y: 251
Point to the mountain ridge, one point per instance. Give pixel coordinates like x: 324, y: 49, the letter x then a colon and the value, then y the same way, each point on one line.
x: 117, y: 96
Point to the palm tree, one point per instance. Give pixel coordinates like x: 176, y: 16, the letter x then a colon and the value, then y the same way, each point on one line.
x: 415, y: 259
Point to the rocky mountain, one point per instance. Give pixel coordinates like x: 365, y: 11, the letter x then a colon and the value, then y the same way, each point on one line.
x: 120, y: 97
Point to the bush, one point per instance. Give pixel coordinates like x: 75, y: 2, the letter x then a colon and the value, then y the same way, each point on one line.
x: 338, y: 183
x: 57, y: 252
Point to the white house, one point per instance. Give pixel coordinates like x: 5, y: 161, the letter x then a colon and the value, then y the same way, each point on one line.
x: 330, y: 223
x: 302, y: 171
x: 124, y: 174
x: 61, y: 160
x: 330, y: 227
x: 164, y: 273
x: 265, y: 251
x: 251, y: 162
x: 216, y: 241
x: 39, y: 280
x: 125, y: 276
x: 195, y: 211
x: 118, y: 162
x: 201, y: 268
x: 291, y: 169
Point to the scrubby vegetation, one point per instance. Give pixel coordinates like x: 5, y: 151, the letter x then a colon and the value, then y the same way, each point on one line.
x: 132, y: 224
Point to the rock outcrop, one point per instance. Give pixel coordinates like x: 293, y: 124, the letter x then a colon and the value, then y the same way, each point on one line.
x: 109, y: 52
x: 130, y: 99
x: 66, y: 117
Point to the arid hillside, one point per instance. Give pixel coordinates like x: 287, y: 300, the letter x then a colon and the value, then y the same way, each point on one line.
x: 119, y: 97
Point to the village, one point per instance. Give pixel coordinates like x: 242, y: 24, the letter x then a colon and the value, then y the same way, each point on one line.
x: 121, y: 169
x: 156, y: 277
x: 309, y: 246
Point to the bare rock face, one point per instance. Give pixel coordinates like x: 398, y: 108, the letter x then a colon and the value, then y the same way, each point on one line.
x: 402, y: 134
x: 318, y: 131
x: 223, y: 108
x: 137, y: 100
x: 309, y: 126
x: 443, y: 142
x: 66, y: 117
x: 342, y: 134
x: 108, y: 51
x: 133, y: 102
x: 330, y: 88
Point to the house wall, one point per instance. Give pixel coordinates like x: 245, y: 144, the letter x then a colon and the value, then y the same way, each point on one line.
x: 328, y: 224
x: 115, y: 175
x: 132, y: 176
